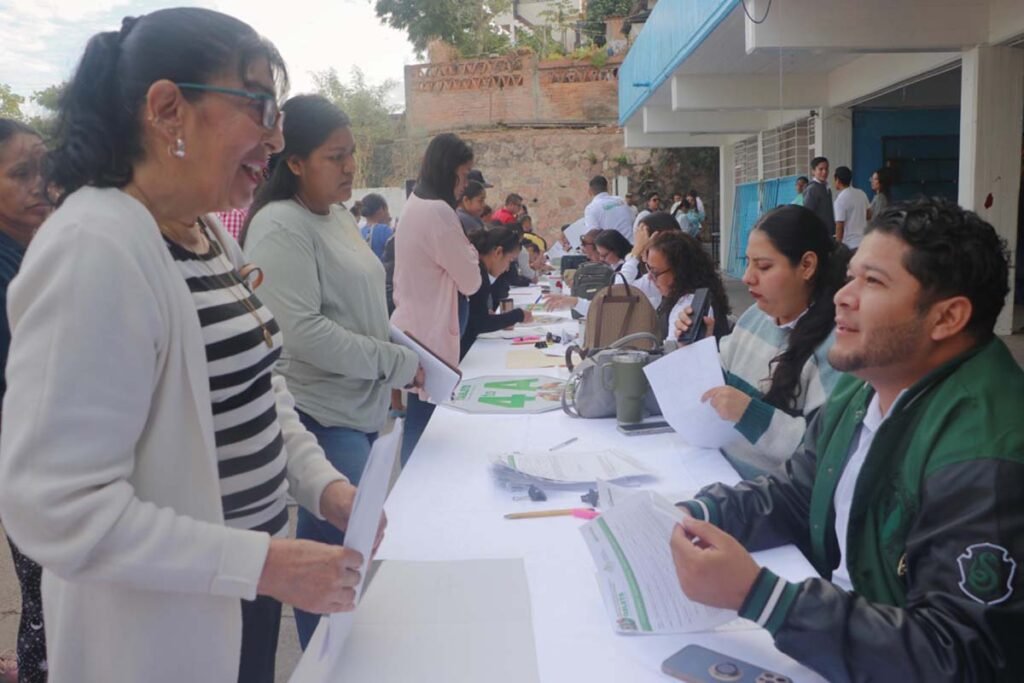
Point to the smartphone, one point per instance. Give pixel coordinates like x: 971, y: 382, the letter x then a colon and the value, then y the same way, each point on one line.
x: 659, y: 427
x: 696, y: 664
x: 700, y: 305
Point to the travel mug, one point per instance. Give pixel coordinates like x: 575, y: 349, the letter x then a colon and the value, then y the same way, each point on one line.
x: 629, y: 384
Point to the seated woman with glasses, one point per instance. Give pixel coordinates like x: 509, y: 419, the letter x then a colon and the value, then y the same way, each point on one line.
x: 611, y: 248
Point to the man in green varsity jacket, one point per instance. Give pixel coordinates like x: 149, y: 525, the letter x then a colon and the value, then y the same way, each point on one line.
x: 908, y: 493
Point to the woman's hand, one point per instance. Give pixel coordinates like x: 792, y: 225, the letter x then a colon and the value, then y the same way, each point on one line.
x: 684, y: 321
x: 641, y: 236
x: 336, y: 506
x: 555, y: 302
x: 729, y: 402
x: 315, y: 577
x: 527, y: 316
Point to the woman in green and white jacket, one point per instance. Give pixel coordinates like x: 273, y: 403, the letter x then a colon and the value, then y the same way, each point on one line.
x: 775, y: 360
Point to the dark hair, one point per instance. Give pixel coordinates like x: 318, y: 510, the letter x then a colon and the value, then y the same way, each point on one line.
x: 473, y: 189
x: 884, y: 181
x: 514, y: 199
x: 692, y: 193
x: 487, y: 211
x: 794, y: 231
x: 658, y: 221
x: 652, y: 195
x: 505, y: 236
x: 953, y: 252
x: 11, y: 127
x: 599, y: 184
x: 372, y: 203
x: 99, y: 131
x: 357, y: 208
x: 692, y: 268
x: 817, y: 160
x: 530, y: 245
x: 444, y: 155
x: 525, y: 217
x: 804, y: 179
x: 613, y: 241
x: 309, y: 120
x: 844, y: 175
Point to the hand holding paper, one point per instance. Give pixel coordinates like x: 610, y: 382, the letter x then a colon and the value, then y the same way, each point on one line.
x: 680, y: 380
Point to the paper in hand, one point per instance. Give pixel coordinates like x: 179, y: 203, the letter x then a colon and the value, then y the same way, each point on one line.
x: 320, y: 657
x: 679, y: 379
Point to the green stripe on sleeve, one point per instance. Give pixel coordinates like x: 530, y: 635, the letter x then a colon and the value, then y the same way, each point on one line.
x: 756, y: 420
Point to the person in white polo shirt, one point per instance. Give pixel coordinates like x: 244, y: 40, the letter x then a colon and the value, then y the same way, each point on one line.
x: 850, y: 209
x: 607, y: 212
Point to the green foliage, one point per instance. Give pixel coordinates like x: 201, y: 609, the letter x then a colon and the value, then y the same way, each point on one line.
x: 599, y: 10
x: 10, y: 103
x: 468, y: 25
x: 373, y: 125
x: 49, y: 100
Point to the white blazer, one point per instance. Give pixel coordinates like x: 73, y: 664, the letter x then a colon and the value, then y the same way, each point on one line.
x: 108, y: 468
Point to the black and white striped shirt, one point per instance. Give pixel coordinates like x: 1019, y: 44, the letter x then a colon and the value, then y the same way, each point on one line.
x: 250, y: 449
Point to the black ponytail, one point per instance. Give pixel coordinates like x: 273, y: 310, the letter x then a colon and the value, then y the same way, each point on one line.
x: 507, y: 237
x: 794, y: 231
x: 99, y: 131
x: 309, y: 120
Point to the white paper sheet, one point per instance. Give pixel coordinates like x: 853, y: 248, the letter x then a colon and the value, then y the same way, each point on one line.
x: 319, y: 661
x: 636, y: 574
x: 456, y: 622
x: 679, y: 379
x: 440, y: 380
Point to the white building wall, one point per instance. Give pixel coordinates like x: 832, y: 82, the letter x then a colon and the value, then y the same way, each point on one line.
x: 991, y: 115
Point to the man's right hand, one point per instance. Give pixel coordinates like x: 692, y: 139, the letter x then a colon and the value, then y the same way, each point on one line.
x: 315, y: 577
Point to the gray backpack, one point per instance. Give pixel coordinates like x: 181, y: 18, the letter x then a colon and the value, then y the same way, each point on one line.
x: 585, y: 394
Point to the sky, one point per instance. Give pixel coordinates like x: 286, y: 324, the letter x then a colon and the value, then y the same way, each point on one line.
x: 42, y: 40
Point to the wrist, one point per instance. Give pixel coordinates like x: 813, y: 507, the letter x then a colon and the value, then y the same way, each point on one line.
x: 336, y: 501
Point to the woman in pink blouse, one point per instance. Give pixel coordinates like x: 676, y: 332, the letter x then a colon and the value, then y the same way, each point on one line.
x: 433, y: 263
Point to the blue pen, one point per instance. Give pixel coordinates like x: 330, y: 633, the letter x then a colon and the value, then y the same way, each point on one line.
x: 539, y: 297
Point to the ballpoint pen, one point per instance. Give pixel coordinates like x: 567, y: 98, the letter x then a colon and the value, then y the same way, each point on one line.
x: 564, y: 443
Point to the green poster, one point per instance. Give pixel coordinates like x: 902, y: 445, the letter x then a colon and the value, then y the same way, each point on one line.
x: 509, y: 394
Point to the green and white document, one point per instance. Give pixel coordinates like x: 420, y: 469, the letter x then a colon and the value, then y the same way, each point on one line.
x: 635, y: 572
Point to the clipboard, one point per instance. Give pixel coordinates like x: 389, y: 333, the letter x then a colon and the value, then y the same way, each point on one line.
x: 441, y: 377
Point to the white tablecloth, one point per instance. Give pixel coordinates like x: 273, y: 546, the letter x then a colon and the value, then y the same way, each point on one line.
x: 447, y: 505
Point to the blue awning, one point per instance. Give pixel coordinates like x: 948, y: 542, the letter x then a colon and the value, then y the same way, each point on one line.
x: 673, y: 31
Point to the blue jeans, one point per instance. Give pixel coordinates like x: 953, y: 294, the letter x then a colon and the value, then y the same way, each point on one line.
x: 417, y: 415
x: 463, y: 314
x: 348, y: 450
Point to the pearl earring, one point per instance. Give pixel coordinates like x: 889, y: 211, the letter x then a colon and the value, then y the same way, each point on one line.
x: 178, y: 150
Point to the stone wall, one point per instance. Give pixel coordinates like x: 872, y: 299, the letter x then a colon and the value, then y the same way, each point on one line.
x: 550, y: 168
x: 514, y: 89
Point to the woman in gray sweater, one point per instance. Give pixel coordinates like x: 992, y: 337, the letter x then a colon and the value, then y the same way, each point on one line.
x: 326, y: 290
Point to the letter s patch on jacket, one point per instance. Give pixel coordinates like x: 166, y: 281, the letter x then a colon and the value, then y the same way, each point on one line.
x: 986, y: 573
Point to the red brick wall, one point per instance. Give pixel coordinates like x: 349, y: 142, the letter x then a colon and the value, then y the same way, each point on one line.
x: 514, y: 89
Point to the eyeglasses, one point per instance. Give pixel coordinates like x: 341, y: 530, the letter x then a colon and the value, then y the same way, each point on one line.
x: 270, y: 113
x: 585, y: 243
x: 655, y: 274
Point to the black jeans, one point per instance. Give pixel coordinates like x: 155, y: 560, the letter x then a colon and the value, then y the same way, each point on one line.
x: 31, y: 636
x: 261, y: 624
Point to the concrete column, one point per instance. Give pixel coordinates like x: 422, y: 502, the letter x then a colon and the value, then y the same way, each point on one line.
x: 991, y: 114
x: 727, y: 192
x: 834, y: 137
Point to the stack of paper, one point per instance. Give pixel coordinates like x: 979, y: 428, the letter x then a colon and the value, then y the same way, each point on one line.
x: 636, y: 574
x: 554, y: 470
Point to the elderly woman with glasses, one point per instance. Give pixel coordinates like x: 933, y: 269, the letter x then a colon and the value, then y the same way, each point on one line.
x: 147, y: 451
